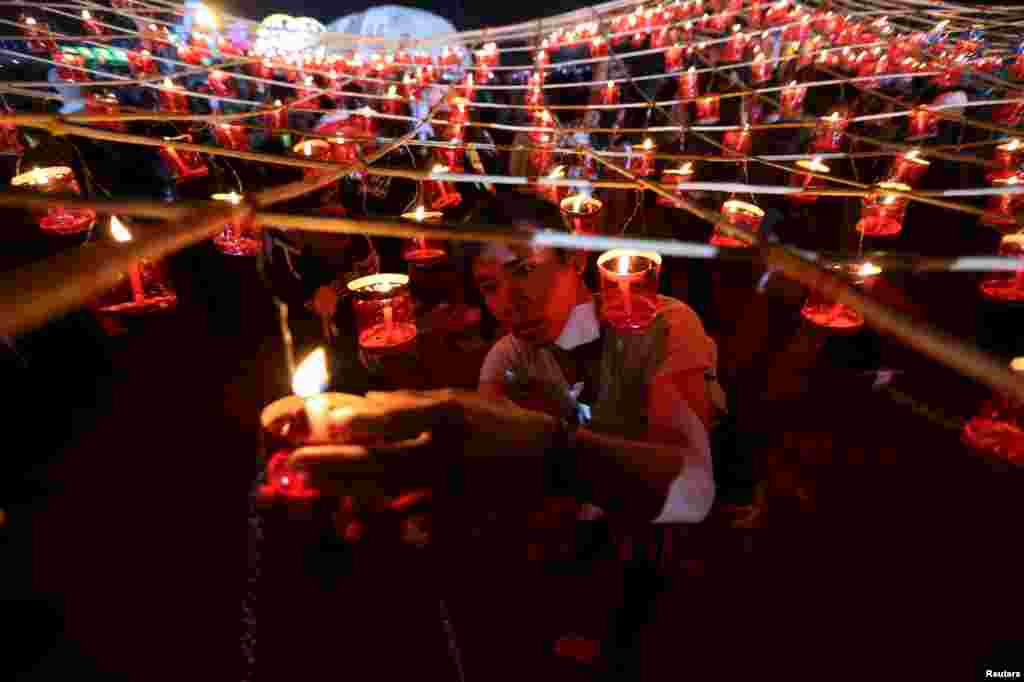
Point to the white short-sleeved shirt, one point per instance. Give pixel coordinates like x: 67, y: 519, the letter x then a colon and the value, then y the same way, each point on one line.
x: 675, y: 343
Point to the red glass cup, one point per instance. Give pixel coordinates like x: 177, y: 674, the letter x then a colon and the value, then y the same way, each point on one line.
x: 923, y: 124
x: 383, y: 310
x: 440, y: 195
x: 689, y: 85
x: 420, y: 249
x: 173, y: 98
x: 610, y: 94
x: 792, y: 101
x: 830, y: 132
x: 708, y: 110
x: 908, y: 168
x: 141, y: 64
x: 1008, y: 155
x: 1010, y: 114
x: 553, y: 193
x: 1007, y: 286
x: 761, y: 69
x: 672, y: 178
x: 998, y: 430
x: 144, y: 289
x: 882, y: 212
x: 674, y: 59
x: 641, y: 160
x: 582, y: 214
x: 222, y: 83
x: 313, y: 150
x: 734, y: 47
x: 1002, y: 208
x: 57, y: 180
x: 738, y: 142
x: 231, y: 136
x: 629, y: 288
x: 239, y: 238
x: 805, y: 181
x: 740, y: 214
x: 104, y: 105
x: 825, y: 313
x: 183, y: 164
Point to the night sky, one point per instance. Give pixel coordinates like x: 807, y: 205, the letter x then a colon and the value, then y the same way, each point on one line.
x: 464, y: 14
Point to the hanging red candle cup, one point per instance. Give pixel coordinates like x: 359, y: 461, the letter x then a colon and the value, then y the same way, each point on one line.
x: 313, y: 150
x: 792, y: 101
x: 673, y: 179
x: 261, y: 69
x: 689, y: 86
x: 805, y: 179
x: 760, y: 69
x: 610, y: 94
x: 830, y: 132
x: 141, y: 63
x: 738, y: 142
x: 825, y: 313
x: 146, y: 289
x: 104, y: 104
x: 742, y: 215
x: 449, y: 57
x: 1008, y: 155
x: 223, y: 84
x: 908, y: 168
x: 90, y: 23
x: 1007, y: 286
x: 582, y: 214
x: 923, y: 124
x: 629, y: 288
x: 997, y: 432
x: 420, y: 249
x: 392, y: 104
x: 344, y: 151
x: 182, y: 164
x: 640, y: 160
x: 70, y: 67
x: 735, y: 45
x: 488, y: 55
x: 173, y: 98
x: 708, y: 109
x: 535, y: 97
x: 231, y: 136
x: 553, y: 193
x: 276, y: 118
x: 239, y: 238
x: 674, y: 59
x: 1002, y: 208
x: 1010, y: 114
x: 57, y: 180
x: 383, y: 310
x: 598, y: 47
x: 438, y: 194
x: 882, y: 211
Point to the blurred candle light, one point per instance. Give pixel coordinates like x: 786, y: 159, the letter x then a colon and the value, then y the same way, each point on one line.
x: 1008, y: 155
x: 1007, y: 286
x: 908, y: 168
x: 237, y: 238
x: 740, y: 214
x: 420, y: 249
x: 384, y: 313
x: 308, y: 382
x: 1002, y: 208
x: 57, y: 180
x: 882, y: 211
x: 792, y: 101
x: 806, y: 181
x: 629, y: 288
x: 582, y: 214
x: 440, y: 195
x: 825, y: 313
x: 673, y: 179
x: 708, y: 109
x: 689, y: 86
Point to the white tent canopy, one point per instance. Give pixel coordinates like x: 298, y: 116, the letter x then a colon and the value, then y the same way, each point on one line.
x: 388, y: 26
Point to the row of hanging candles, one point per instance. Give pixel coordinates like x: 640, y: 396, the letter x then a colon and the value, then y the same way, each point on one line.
x: 998, y: 428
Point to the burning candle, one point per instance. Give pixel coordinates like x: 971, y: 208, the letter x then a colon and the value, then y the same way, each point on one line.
x: 1010, y: 114
x: 908, y: 168
x: 535, y: 97
x: 1007, y: 286
x: 554, y: 193
x: 104, y: 105
x: 629, y: 288
x: 57, y: 180
x: 674, y: 59
x: 582, y: 214
x: 708, y: 108
x: 738, y: 142
x: 237, y: 238
x: 1002, y: 208
x: 172, y: 97
x: 313, y: 150
x: 610, y: 94
x: 308, y: 383
x: 392, y: 105
x: 882, y: 212
x: 792, y: 101
x: 276, y: 117
x: 760, y: 68
x: 1008, y: 154
x: 598, y: 47
x: 231, y: 136
x: 807, y: 181
x: 419, y: 249
x: 642, y: 164
x: 742, y: 215
x: 488, y: 55
x: 148, y: 291
x: 121, y: 234
x: 735, y: 45
x: 141, y: 63
x: 998, y: 430
x: 923, y: 124
x: 673, y: 178
x: 383, y: 309
x: 222, y: 84
x: 836, y: 317
x: 689, y: 87
x: 830, y: 132
x: 91, y: 24
x: 438, y: 194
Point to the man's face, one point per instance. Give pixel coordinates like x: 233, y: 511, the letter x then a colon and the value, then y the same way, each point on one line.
x: 530, y: 291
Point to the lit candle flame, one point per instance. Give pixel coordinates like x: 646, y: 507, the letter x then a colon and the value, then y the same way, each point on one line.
x: 30, y: 21
x: 231, y: 197
x: 868, y: 270
x: 623, y: 265
x: 118, y: 231
x: 168, y: 84
x: 577, y: 203
x: 392, y: 91
x: 86, y: 15
x: 308, y: 148
x: 205, y: 17
x: 648, y: 144
x: 420, y: 212
x: 557, y: 172
x: 277, y: 103
x: 1017, y: 365
x: 439, y: 168
x: 311, y: 375
x: 1012, y: 146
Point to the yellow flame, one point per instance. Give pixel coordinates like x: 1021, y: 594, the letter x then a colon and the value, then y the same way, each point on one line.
x: 392, y: 91
x: 311, y: 375
x: 118, y: 231
x: 868, y: 270
x: 86, y: 14
x: 648, y: 144
x: 30, y: 21
x: 420, y: 212
x: 231, y: 197
x: 308, y: 149
x: 277, y: 103
x: 576, y: 203
x: 168, y: 84
x: 205, y: 17
x: 1017, y: 364
x: 439, y: 168
x: 623, y: 265
x: 557, y: 172
x: 1011, y: 146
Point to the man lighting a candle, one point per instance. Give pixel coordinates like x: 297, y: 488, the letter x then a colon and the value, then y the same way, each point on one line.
x: 581, y: 420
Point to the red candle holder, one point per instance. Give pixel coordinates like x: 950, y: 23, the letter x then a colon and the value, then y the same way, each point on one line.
x: 629, y: 288
x: 923, y: 124
x: 10, y: 143
x: 908, y: 168
x: 825, y: 313
x: 610, y: 94
x: 674, y: 59
x: 806, y: 181
x: 546, y: 122
x: 276, y: 117
x: 104, y: 104
x: 420, y: 249
x: 738, y: 142
x: 69, y: 67
x: 708, y: 109
x: 452, y: 158
x: 231, y: 136
x: 173, y: 98
x: 1010, y: 114
x: 1008, y: 155
x: 760, y: 69
x: 439, y: 195
x: 393, y: 105
x: 582, y: 214
x: 598, y: 47
x: 239, y: 238
x: 344, y: 151
x: 1007, y: 286
x: 792, y: 101
x: 997, y: 432
x: 882, y: 212
x: 141, y: 64
x: 734, y: 47
x: 642, y: 162
x: 223, y: 84
x: 297, y: 420
x: 1002, y: 208
x: 91, y: 25
x: 830, y: 132
x: 383, y: 310
x: 553, y: 193
x: 260, y: 69
x: 145, y: 289
x: 659, y: 37
x: 535, y: 97
x: 57, y: 180
x: 183, y: 164
x: 450, y: 58
x: 673, y: 179
x: 718, y: 23
x: 689, y: 86
x: 741, y: 215
x: 40, y: 39
x: 488, y: 55
x: 313, y: 150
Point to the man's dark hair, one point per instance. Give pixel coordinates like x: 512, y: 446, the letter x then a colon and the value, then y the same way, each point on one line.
x: 511, y: 209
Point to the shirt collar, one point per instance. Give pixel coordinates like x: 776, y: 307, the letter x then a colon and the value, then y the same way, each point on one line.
x: 581, y: 328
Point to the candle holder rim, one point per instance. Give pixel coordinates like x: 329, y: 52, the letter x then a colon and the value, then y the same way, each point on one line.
x: 49, y: 172
x: 809, y: 164
x: 394, y: 279
x: 588, y: 201
x: 285, y: 405
x: 652, y: 256
x: 738, y: 205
